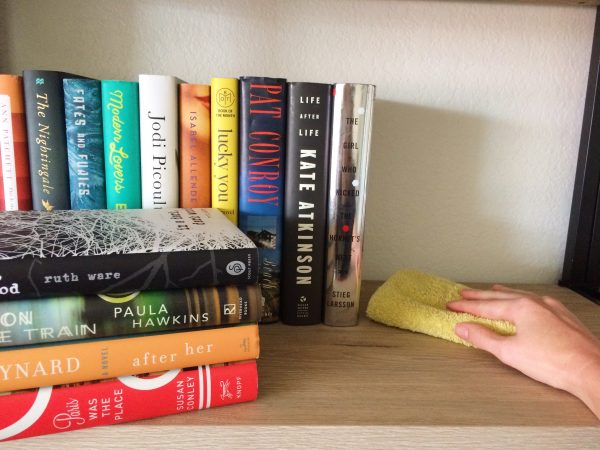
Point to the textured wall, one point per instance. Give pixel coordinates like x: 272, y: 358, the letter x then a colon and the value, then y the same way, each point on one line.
x: 477, y: 121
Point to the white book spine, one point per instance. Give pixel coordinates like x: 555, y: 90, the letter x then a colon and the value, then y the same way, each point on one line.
x: 7, y: 151
x: 159, y: 141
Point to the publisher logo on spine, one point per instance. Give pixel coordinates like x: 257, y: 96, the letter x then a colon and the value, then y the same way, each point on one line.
x: 235, y: 268
x: 225, y: 392
x: 225, y: 97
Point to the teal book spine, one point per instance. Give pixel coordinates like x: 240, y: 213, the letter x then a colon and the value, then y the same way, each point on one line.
x: 121, y: 123
x: 85, y: 148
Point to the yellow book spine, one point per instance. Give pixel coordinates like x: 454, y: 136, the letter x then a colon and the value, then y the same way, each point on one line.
x: 224, y: 108
x: 107, y: 358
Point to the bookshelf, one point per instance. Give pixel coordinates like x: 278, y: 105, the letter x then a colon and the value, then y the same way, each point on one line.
x: 371, y: 386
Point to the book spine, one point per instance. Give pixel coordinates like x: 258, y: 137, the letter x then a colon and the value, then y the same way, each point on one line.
x: 15, y: 181
x: 41, y: 277
x: 9, y: 201
x: 305, y: 208
x: 159, y: 128
x: 68, y: 318
x: 194, y: 138
x: 121, y: 128
x: 350, y: 149
x: 85, y: 149
x: 224, y: 104
x: 63, y: 408
x: 45, y: 116
x: 98, y: 359
x: 262, y: 149
x: 99, y: 251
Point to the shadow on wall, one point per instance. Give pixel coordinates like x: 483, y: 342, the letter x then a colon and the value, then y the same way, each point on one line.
x: 425, y: 207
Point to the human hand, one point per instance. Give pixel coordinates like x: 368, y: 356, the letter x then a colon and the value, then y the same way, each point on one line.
x: 550, y: 345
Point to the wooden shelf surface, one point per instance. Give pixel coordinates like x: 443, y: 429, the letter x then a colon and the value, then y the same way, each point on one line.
x: 372, y: 386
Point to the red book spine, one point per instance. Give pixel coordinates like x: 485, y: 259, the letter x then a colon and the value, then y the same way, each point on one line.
x: 125, y: 399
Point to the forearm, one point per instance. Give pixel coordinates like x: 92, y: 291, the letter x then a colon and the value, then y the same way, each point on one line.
x: 588, y: 386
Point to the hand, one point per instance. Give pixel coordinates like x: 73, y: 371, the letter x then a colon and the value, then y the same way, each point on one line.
x: 551, y: 345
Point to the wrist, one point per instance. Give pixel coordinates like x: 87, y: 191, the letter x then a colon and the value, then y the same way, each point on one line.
x: 588, y: 385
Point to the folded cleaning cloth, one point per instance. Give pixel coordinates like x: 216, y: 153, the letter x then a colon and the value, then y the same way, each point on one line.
x: 416, y: 301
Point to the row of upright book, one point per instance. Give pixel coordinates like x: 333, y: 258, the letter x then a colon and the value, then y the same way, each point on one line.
x: 287, y: 162
x: 109, y: 316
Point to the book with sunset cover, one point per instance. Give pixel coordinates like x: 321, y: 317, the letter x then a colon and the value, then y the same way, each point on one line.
x: 263, y: 121
x: 194, y: 142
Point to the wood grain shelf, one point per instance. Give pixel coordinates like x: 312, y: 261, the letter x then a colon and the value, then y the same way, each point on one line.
x: 371, y: 386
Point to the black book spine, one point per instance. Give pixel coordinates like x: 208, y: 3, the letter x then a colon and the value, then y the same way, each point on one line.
x: 47, y: 142
x: 305, y: 210
x: 41, y: 277
x: 106, y: 251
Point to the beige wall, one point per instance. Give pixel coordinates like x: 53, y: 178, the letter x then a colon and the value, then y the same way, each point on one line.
x: 477, y: 121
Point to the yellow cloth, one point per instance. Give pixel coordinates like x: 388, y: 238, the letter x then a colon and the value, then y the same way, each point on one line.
x: 417, y: 301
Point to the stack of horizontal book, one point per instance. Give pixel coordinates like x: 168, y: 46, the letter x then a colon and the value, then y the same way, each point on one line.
x: 105, y: 312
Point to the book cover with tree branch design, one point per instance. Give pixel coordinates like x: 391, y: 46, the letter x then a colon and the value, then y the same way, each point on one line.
x: 107, y: 251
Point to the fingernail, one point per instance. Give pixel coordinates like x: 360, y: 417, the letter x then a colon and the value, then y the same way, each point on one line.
x: 462, y: 331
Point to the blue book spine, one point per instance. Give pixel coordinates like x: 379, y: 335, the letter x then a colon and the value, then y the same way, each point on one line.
x: 263, y: 119
x: 85, y: 148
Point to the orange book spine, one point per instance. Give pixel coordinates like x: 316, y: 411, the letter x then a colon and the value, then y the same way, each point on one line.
x: 100, y: 359
x: 194, y: 138
x: 14, y: 165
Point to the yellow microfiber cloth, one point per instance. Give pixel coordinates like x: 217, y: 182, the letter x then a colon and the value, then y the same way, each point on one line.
x: 417, y: 301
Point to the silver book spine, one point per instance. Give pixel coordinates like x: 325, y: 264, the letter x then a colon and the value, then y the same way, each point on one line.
x: 350, y: 151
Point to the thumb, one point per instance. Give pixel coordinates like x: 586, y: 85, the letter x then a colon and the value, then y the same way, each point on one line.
x: 481, y: 337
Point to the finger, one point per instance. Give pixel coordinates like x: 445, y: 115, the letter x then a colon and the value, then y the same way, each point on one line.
x: 489, y: 309
x: 556, y: 306
x: 502, y: 288
x: 478, y: 294
x: 481, y: 337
